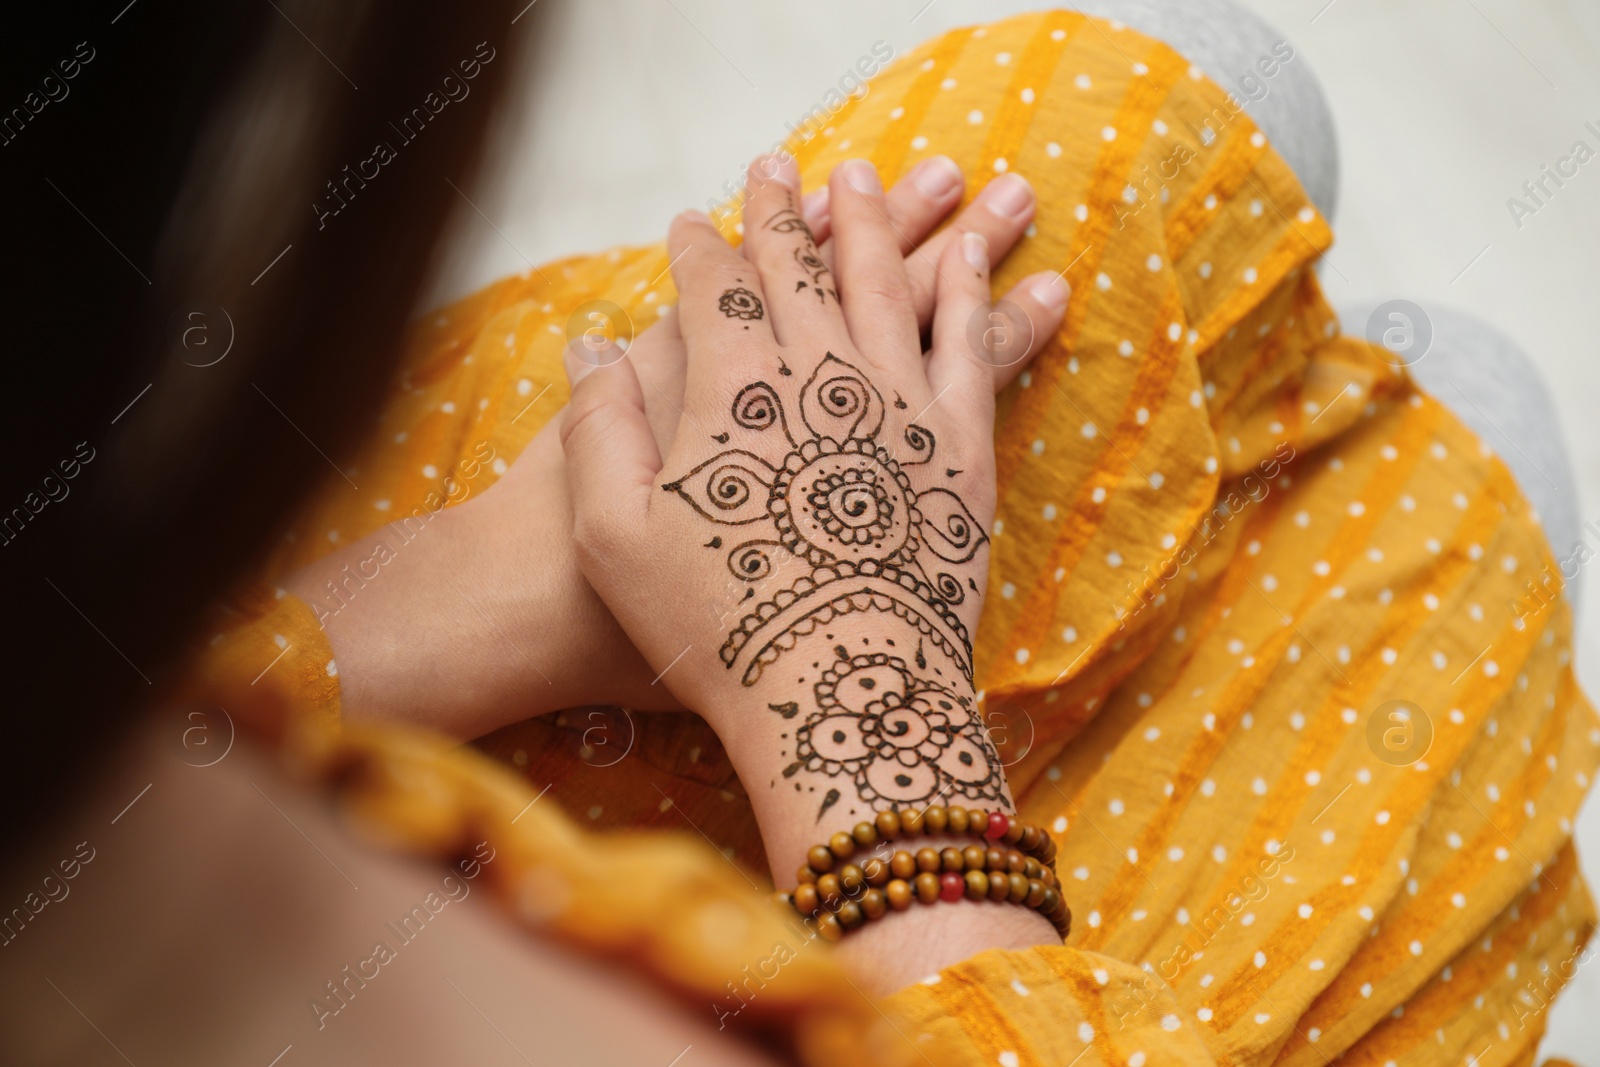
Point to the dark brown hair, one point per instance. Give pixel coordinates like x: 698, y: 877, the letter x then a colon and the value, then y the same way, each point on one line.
x: 158, y: 161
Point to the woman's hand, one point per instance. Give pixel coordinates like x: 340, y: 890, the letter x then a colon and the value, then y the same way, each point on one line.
x: 806, y: 566
x: 488, y: 620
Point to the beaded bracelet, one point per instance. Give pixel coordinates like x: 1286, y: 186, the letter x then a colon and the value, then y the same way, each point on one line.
x: 846, y: 898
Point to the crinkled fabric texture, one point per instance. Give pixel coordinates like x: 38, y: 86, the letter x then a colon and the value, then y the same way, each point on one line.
x: 1228, y: 537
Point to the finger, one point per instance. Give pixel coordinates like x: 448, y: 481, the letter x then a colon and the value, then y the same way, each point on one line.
x: 1030, y: 314
x: 916, y: 204
x: 815, y: 210
x: 1002, y: 212
x: 721, y: 308
x: 873, y: 289
x: 800, y: 288
x: 959, y: 372
x: 660, y: 359
x: 611, y: 455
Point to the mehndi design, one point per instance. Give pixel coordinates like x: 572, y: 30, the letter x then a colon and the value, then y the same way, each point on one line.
x: 902, y: 739
x: 830, y: 497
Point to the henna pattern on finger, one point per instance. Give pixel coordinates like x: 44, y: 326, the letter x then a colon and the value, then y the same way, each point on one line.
x: 740, y: 303
x: 825, y: 494
x: 900, y: 738
x: 807, y: 256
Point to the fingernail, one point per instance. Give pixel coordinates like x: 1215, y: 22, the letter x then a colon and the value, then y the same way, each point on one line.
x: 936, y: 177
x: 1008, y: 196
x: 975, y: 250
x: 814, y: 207
x: 862, y: 177
x: 1050, y: 289
x: 780, y: 167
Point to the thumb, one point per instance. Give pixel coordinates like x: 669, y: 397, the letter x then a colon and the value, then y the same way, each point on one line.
x: 612, y: 460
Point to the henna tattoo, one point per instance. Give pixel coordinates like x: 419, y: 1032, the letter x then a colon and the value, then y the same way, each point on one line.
x: 808, y: 257
x: 826, y: 494
x: 900, y: 738
x: 740, y: 303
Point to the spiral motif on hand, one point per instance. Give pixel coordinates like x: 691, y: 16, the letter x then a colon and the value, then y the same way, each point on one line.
x: 740, y: 304
x: 842, y: 396
x: 728, y: 487
x: 756, y: 407
x: 750, y: 562
x: 958, y: 530
x: 949, y: 587
x: 920, y: 441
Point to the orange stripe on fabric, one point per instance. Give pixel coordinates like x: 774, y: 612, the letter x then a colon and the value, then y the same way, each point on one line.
x: 1353, y: 532
x: 1032, y: 406
x: 1087, y: 993
x: 1039, y: 59
x: 1293, y: 249
x: 1151, y: 385
x: 1290, y: 793
x: 1440, y: 1002
x: 1468, y: 870
x: 1230, y: 585
x: 967, y: 1000
x: 1227, y: 173
x: 894, y: 141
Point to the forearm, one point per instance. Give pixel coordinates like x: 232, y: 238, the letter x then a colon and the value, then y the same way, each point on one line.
x: 473, y: 617
x: 802, y: 798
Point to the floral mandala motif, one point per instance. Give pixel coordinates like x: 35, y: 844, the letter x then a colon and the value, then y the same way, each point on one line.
x: 835, y: 499
x: 903, y: 740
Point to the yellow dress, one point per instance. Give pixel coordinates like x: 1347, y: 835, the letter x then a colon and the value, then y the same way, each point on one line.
x: 1228, y: 537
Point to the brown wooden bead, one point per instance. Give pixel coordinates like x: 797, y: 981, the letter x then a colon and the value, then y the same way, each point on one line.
x: 903, y: 865
x: 1047, y: 876
x: 828, y: 926
x: 873, y: 904
x: 974, y: 857
x: 927, y: 859
x: 977, y: 885
x: 877, y: 871
x: 1018, y: 888
x: 999, y: 886
x: 820, y: 859
x: 1065, y: 925
x: 1013, y: 832
x: 850, y: 915
x: 807, y: 900
x: 1031, y: 867
x: 951, y: 859
x: 865, y: 833
x: 927, y: 885
x: 1030, y: 838
x: 934, y: 819
x: 1036, y: 892
x: 783, y: 899
x: 805, y: 875
x: 977, y: 821
x: 994, y: 860
x: 828, y: 889
x: 842, y: 845
x: 955, y: 820
x: 899, y: 894
x: 1016, y: 862
x: 888, y: 824
x: 852, y: 880
x: 911, y: 822
x: 1050, y: 902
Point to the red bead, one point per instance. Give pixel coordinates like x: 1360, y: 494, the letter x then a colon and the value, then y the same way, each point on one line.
x: 998, y: 825
x: 952, y: 886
